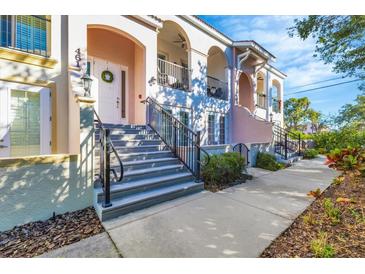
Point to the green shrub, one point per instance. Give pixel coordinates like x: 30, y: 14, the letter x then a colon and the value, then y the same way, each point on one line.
x: 223, y: 170
x: 268, y: 161
x: 320, y: 247
x: 327, y: 141
x: 310, y: 153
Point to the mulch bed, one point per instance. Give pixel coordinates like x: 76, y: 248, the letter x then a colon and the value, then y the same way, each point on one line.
x: 347, y: 238
x: 36, y: 238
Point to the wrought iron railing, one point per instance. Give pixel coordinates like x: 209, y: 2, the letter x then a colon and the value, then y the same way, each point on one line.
x: 106, y: 149
x: 28, y: 33
x: 261, y: 100
x: 243, y: 150
x: 217, y: 88
x: 172, y: 75
x: 286, y: 142
x: 183, y: 141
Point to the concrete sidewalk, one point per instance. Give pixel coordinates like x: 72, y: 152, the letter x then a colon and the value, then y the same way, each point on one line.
x: 240, y: 221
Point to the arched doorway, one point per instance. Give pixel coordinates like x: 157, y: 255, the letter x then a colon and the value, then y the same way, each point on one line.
x: 245, y: 92
x: 217, y: 85
x: 116, y: 62
x: 173, y: 64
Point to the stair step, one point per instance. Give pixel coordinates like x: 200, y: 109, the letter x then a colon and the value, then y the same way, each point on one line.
x: 136, y: 143
x: 133, y: 175
x: 142, y: 200
x: 123, y: 126
x: 123, y: 190
x: 130, y: 136
x: 136, y: 149
x: 140, y: 164
x: 138, y: 156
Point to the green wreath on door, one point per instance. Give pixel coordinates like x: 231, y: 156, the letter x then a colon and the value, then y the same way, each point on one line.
x: 107, y: 76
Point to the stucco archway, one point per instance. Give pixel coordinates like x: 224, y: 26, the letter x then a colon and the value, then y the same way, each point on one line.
x: 120, y: 51
x: 245, y: 92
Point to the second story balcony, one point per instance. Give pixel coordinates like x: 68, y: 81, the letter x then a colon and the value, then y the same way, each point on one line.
x: 172, y: 75
x: 217, y: 88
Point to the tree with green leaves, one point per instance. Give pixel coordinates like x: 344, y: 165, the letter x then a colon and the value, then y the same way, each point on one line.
x: 314, y: 118
x: 352, y: 115
x: 295, y: 112
x: 340, y: 41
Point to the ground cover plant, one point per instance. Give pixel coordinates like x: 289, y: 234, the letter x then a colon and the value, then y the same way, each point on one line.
x: 268, y: 162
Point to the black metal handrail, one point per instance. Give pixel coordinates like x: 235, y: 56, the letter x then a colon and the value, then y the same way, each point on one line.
x: 286, y: 141
x: 106, y: 148
x: 183, y: 141
x: 242, y: 149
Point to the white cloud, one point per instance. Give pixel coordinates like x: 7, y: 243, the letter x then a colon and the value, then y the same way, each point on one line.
x: 294, y: 56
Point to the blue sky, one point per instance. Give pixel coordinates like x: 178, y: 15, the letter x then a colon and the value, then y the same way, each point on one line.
x: 294, y: 58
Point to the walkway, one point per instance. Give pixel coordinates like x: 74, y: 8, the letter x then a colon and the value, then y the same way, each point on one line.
x: 238, y: 222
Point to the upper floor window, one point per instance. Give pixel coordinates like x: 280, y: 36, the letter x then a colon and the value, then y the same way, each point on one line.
x: 261, y: 90
x: 275, y: 95
x: 28, y: 33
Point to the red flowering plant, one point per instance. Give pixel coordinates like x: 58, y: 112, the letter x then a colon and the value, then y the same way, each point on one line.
x: 349, y: 160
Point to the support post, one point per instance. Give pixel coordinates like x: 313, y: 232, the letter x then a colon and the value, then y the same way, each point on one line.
x: 175, y: 137
x: 197, y: 157
x: 299, y: 146
x: 106, y: 178
x: 286, y: 146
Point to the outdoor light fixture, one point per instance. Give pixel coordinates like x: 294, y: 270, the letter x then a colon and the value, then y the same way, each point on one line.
x: 86, y: 81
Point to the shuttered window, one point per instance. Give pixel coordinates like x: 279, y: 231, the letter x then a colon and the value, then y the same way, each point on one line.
x: 29, y: 33
x: 25, y: 123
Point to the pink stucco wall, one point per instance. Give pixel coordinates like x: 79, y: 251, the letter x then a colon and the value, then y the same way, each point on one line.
x: 247, y: 129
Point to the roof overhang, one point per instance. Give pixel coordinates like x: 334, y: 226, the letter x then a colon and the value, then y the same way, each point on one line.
x: 256, y: 48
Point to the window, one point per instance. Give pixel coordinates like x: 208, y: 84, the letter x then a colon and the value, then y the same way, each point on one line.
x: 261, y: 91
x: 222, y: 127
x: 25, y: 127
x: 25, y: 124
x: 275, y: 91
x: 211, y: 129
x: 29, y: 33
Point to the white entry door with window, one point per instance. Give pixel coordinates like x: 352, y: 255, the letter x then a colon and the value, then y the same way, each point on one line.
x: 25, y: 120
x: 111, y: 96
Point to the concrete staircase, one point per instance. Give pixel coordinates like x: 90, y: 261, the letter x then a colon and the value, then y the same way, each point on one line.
x: 152, y: 174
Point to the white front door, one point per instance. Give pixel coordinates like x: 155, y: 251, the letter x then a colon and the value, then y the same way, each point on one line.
x: 25, y: 124
x: 111, y: 96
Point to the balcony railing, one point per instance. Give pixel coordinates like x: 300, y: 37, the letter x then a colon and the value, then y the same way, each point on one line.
x: 217, y: 88
x: 172, y: 75
x: 261, y: 100
x: 28, y: 33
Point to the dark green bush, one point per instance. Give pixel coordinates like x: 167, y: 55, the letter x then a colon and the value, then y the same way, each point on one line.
x: 310, y: 153
x: 268, y: 161
x: 223, y: 170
